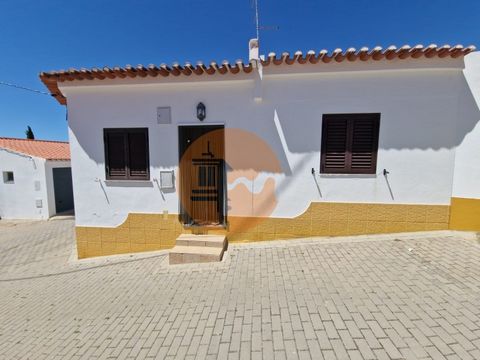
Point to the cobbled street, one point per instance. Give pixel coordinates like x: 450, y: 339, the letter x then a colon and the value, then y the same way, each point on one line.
x: 404, y: 297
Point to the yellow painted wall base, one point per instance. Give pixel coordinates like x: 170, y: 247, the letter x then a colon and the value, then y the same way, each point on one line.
x: 139, y: 232
x: 341, y: 219
x: 465, y: 214
x: 147, y: 232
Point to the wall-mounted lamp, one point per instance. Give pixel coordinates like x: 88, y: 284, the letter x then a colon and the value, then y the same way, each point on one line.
x: 201, y: 111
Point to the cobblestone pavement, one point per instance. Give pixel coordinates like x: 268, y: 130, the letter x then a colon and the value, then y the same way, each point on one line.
x: 372, y: 298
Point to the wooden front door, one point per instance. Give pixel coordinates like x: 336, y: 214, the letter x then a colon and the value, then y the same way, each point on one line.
x: 202, y: 175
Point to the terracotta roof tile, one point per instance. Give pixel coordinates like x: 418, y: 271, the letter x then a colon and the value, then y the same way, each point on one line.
x: 46, y: 149
x: 51, y: 79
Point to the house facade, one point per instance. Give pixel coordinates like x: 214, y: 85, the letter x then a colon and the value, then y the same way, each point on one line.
x: 317, y: 144
x: 36, y: 179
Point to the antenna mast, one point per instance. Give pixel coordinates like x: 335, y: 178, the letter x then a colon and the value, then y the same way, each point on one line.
x: 257, y: 26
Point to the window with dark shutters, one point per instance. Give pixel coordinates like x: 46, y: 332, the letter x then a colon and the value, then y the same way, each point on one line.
x: 126, y: 154
x: 350, y: 143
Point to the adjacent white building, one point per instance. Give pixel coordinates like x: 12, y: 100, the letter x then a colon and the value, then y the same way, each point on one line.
x: 347, y: 142
x: 36, y: 179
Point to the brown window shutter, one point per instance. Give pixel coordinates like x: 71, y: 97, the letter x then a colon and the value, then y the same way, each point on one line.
x: 364, y: 145
x: 350, y: 143
x: 126, y: 154
x: 138, y: 154
x: 115, y: 154
x: 334, y: 145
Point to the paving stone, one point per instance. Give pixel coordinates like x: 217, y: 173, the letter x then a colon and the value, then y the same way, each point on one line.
x: 372, y: 341
x: 353, y: 329
x: 434, y: 353
x: 278, y: 342
x: 304, y: 355
x: 354, y: 355
x: 329, y: 355
x: 381, y: 354
x: 291, y: 351
x: 256, y: 355
x: 339, y: 349
x: 364, y: 349
x: 331, y: 330
x: 391, y: 349
x: 347, y: 340
x: 314, y: 348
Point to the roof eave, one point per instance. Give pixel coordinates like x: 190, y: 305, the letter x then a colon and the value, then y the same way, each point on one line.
x: 51, y: 82
x: 51, y: 79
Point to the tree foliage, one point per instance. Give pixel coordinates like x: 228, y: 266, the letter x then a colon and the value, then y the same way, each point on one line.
x: 29, y: 133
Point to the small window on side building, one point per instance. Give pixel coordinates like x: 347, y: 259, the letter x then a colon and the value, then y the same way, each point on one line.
x: 126, y: 154
x: 350, y: 143
x: 8, y: 177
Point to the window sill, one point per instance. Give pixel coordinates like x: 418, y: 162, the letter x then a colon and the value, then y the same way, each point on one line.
x: 348, y: 176
x: 129, y: 183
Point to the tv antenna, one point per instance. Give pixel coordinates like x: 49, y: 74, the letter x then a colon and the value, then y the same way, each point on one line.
x: 258, y: 27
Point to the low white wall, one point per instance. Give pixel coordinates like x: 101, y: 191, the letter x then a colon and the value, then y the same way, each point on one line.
x: 425, y: 114
x: 18, y: 200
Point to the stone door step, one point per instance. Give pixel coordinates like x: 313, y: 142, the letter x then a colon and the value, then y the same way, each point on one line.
x: 195, y: 254
x: 217, y: 241
x: 191, y: 248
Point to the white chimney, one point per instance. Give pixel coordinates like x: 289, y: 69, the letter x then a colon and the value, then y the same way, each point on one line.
x: 254, y: 59
x: 253, y: 51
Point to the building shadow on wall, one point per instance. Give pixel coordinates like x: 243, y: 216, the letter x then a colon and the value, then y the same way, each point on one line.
x: 432, y: 115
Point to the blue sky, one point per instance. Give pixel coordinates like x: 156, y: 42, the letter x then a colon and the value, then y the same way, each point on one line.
x: 57, y: 34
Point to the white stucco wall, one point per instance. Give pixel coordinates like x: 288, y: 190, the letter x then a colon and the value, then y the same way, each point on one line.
x: 18, y: 200
x: 425, y: 114
x: 467, y: 160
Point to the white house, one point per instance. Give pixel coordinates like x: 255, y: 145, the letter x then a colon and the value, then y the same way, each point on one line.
x: 340, y: 143
x: 36, y: 178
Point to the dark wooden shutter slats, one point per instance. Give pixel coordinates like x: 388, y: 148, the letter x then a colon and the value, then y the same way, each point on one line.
x: 364, y: 144
x: 115, y: 148
x: 138, y: 157
x: 126, y: 154
x: 350, y: 143
x: 334, y: 152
